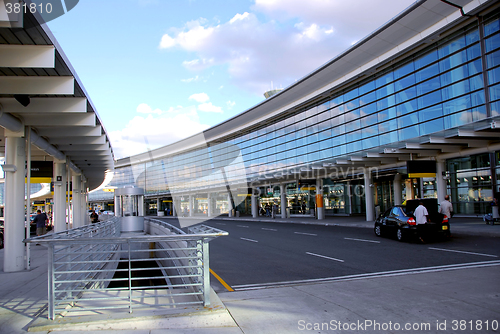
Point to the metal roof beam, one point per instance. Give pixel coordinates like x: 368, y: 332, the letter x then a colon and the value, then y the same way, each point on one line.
x: 66, y: 120
x: 467, y: 142
x: 63, y: 85
x: 46, y: 105
x: 31, y: 56
x: 69, y: 132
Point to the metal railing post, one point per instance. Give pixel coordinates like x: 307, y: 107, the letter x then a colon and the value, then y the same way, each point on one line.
x: 50, y: 274
x: 129, y: 279
x: 206, y: 273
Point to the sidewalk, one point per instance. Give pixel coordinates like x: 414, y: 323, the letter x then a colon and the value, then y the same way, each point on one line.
x: 422, y: 297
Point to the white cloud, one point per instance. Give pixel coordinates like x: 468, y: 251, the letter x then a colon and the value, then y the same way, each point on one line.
x: 152, y: 131
x: 230, y: 104
x: 194, y: 79
x: 209, y: 107
x: 144, y: 108
x: 292, y: 40
x: 200, y: 97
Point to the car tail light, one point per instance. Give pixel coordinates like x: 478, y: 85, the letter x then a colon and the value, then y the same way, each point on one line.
x: 411, y: 221
x: 445, y: 220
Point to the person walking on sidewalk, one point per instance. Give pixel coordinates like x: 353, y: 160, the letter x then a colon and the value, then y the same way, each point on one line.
x: 421, y: 216
x: 40, y: 221
x: 274, y: 209
x: 446, y: 208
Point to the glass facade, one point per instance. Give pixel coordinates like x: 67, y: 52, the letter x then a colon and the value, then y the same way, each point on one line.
x: 451, y: 83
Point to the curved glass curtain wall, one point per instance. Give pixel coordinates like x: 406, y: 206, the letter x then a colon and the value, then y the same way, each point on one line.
x: 440, y: 88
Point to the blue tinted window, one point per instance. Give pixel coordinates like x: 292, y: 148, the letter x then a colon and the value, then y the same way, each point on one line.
x: 385, y: 91
x: 480, y: 113
x: 324, y: 106
x: 472, y: 37
x: 407, y: 107
x: 351, y: 126
x: 495, y: 92
x: 492, y: 43
x: 429, y: 113
x: 455, y: 90
x: 475, y: 67
x: 431, y: 126
x: 409, y: 132
x: 494, y: 76
x: 313, y: 156
x: 428, y: 86
x: 367, y: 87
x: 338, y: 130
x: 427, y: 72
x: 452, y: 61
x: 405, y: 82
x: 338, y: 120
x: 351, y: 94
x: 460, y: 118
x: 385, y: 103
x: 476, y: 82
x: 429, y: 99
x: 313, y: 147
x: 451, y: 46
x: 365, y: 99
x: 352, y: 136
x: 495, y: 108
x: 312, y: 138
x: 368, y: 109
x: 370, y: 142
x: 311, y: 111
x: 454, y: 75
x: 385, y: 79
x: 426, y: 59
x: 325, y: 134
x: 353, y: 104
x: 354, y: 146
x: 325, y: 154
x: 477, y: 98
x: 407, y: 120
x: 369, y: 120
x: 388, y: 138
x: 406, y: 95
x: 388, y: 126
x: 387, y: 114
x: 370, y: 131
x: 452, y: 106
x: 312, y: 129
x: 491, y: 27
x: 493, y: 59
x: 403, y: 70
x: 474, y: 52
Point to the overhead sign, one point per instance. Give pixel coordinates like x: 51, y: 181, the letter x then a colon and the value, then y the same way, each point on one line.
x: 421, y: 168
x: 41, y: 172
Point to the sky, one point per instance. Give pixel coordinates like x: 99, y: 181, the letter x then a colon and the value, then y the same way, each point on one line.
x: 158, y: 71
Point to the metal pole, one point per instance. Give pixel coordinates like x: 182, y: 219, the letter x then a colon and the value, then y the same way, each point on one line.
x: 28, y: 194
x: 206, y: 273
x: 50, y: 273
x: 129, y: 279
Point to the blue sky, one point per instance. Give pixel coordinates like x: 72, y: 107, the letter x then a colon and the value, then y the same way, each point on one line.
x: 160, y: 70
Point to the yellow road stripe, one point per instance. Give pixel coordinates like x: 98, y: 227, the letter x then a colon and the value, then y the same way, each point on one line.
x: 221, y: 281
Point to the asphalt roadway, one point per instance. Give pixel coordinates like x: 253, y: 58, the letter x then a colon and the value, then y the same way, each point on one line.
x: 448, y: 296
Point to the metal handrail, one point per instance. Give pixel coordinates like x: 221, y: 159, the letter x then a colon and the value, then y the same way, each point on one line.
x: 88, y: 266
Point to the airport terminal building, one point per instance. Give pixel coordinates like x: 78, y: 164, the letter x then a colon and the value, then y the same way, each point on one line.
x: 422, y: 91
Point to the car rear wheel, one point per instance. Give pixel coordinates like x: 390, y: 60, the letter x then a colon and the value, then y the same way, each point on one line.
x: 378, y: 231
x: 399, y: 234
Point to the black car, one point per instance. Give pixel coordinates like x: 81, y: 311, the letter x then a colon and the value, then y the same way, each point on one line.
x: 399, y: 221
x: 1, y: 233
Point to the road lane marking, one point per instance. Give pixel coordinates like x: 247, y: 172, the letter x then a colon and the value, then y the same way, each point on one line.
x: 375, y: 242
x: 401, y: 272
x: 270, y: 229
x: 242, y: 226
x: 312, y: 234
x: 325, y: 257
x: 464, y: 252
x: 221, y: 280
x: 248, y: 239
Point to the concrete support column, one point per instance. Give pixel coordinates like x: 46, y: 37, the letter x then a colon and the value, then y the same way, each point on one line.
x: 255, y: 208
x: 398, y: 190
x: 283, y: 200
x: 85, y: 213
x: 370, y: 209
x: 174, y: 210
x: 14, y: 204
x: 158, y: 205
x: 320, y: 213
x: 440, y: 181
x: 191, y: 200
x: 59, y: 197
x: 76, y: 201
x: 230, y: 205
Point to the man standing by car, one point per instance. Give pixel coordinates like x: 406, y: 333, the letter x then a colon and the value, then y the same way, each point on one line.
x: 421, y: 216
x: 445, y: 207
x: 40, y: 221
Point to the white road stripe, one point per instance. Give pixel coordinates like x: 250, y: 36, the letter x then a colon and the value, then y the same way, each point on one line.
x: 371, y: 275
x: 325, y: 257
x: 248, y: 239
x: 270, y: 229
x: 312, y: 234
x: 375, y: 242
x: 464, y: 252
x: 242, y: 226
